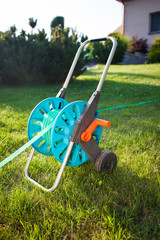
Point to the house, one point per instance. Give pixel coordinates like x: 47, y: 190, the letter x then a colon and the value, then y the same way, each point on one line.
x: 141, y: 19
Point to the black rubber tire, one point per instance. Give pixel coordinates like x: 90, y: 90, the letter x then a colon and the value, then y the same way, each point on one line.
x: 106, y: 162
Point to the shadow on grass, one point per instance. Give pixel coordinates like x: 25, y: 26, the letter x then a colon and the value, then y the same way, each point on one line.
x: 121, y: 203
x: 134, y: 75
x: 121, y: 74
x: 27, y: 98
x: 121, y: 200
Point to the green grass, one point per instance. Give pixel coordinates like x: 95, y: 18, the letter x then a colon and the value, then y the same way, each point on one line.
x: 86, y: 204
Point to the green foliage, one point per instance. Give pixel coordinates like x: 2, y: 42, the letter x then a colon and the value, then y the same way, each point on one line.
x: 57, y: 21
x: 100, y: 51
x: 32, y: 22
x: 86, y: 205
x: 154, y: 52
x: 138, y: 45
x: 32, y: 58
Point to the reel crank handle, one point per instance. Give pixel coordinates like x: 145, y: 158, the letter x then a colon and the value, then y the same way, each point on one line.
x: 86, y: 135
x: 59, y: 173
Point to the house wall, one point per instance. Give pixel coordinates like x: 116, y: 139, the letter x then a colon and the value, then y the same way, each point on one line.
x: 137, y: 18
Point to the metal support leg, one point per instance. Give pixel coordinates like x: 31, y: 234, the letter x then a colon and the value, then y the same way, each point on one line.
x: 59, y: 173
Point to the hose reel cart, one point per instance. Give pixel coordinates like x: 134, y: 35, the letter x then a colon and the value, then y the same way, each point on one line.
x: 76, y: 129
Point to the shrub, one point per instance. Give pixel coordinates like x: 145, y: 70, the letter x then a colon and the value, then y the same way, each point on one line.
x: 154, y: 52
x: 30, y: 59
x: 138, y: 45
x: 23, y: 61
x: 100, y: 51
x: 122, y: 44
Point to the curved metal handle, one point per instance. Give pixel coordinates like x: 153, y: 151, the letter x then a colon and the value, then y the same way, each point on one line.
x: 107, y: 64
x: 109, y: 60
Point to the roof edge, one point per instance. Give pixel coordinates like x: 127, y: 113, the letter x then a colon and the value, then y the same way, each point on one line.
x: 121, y: 1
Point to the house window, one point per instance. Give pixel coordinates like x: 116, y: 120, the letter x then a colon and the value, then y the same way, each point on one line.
x: 155, y: 22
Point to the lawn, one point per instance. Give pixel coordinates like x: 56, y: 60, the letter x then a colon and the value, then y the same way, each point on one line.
x: 86, y: 205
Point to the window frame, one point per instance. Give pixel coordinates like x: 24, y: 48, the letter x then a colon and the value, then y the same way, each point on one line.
x: 150, y: 23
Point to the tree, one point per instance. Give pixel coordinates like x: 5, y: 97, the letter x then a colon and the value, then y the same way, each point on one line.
x: 23, y: 33
x: 32, y: 23
x: 41, y: 35
x: 57, y: 21
x: 13, y: 30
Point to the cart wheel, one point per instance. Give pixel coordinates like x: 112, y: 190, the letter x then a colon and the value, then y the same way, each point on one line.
x: 106, y: 162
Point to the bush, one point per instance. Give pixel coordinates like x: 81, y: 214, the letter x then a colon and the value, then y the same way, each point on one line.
x: 138, y: 45
x: 100, y: 51
x: 31, y: 59
x: 154, y: 52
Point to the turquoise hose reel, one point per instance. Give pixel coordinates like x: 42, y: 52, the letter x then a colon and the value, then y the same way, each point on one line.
x: 56, y: 141
x: 42, y: 115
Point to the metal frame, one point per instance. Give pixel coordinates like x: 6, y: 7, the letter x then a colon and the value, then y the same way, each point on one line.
x: 59, y: 173
x: 62, y: 94
x: 107, y: 64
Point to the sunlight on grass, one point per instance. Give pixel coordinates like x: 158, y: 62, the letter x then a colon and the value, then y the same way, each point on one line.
x: 87, y: 204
